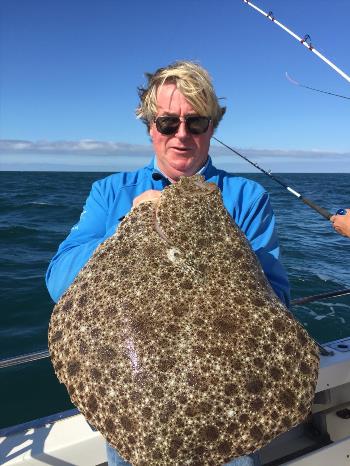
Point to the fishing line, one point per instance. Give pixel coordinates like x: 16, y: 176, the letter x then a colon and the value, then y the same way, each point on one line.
x: 323, y: 212
x: 293, y: 81
x: 305, y: 41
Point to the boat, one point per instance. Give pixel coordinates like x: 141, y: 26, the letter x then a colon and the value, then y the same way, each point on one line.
x: 66, y: 438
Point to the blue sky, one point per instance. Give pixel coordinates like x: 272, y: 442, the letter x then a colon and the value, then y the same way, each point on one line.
x: 69, y: 70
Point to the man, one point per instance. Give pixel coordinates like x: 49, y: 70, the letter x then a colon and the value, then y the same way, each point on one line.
x: 341, y: 222
x: 181, y: 111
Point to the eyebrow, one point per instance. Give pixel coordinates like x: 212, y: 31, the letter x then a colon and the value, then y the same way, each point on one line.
x: 176, y: 114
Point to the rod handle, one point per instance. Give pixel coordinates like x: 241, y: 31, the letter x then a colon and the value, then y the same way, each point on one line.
x: 324, y: 212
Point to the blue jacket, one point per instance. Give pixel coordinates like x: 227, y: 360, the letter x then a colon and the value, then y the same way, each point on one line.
x: 111, y: 199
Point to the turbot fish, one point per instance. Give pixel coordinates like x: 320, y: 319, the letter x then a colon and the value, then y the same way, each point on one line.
x: 172, y: 343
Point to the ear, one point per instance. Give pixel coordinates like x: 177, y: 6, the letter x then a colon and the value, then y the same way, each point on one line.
x: 151, y: 130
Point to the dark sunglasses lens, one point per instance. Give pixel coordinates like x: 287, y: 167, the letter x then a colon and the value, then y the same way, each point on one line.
x: 170, y: 124
x: 197, y: 124
x: 167, y: 125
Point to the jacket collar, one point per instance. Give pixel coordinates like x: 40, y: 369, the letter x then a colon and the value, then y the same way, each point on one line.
x: 208, y: 170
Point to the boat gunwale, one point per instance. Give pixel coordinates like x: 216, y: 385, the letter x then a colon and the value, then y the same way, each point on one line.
x: 37, y: 423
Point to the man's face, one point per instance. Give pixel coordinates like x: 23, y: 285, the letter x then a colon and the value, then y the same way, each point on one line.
x: 181, y: 153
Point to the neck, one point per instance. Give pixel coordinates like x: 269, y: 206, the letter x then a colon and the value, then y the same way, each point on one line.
x: 176, y: 176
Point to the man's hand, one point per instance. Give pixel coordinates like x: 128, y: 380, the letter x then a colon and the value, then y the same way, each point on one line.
x: 341, y: 223
x: 149, y: 195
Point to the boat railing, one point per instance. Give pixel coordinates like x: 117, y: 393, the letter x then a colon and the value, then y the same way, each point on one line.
x: 24, y: 358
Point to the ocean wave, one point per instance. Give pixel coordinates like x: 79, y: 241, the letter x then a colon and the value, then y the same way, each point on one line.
x: 18, y: 231
x: 40, y: 203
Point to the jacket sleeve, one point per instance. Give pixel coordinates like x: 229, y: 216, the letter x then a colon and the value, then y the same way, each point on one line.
x: 77, y: 248
x: 259, y: 227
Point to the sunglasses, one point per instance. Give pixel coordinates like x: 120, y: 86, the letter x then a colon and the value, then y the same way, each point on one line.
x: 195, y: 124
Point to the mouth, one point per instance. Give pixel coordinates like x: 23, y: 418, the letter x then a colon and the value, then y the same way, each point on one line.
x: 181, y: 150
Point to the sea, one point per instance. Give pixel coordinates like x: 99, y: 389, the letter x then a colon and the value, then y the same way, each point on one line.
x: 37, y: 210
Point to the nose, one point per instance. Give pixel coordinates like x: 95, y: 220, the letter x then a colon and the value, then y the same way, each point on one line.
x: 182, y: 131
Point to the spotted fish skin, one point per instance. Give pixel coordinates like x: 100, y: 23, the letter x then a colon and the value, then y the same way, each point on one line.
x: 172, y: 343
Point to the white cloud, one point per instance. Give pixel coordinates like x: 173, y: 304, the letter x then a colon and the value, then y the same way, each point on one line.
x: 92, y: 155
x: 86, y: 146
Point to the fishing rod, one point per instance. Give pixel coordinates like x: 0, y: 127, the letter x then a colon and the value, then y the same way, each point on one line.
x: 305, y: 41
x: 293, y: 81
x: 316, y: 297
x: 323, y: 212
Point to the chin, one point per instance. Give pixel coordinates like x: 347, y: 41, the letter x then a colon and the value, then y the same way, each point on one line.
x: 185, y: 170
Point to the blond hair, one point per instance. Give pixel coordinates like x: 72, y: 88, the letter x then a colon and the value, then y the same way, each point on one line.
x: 191, y: 80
